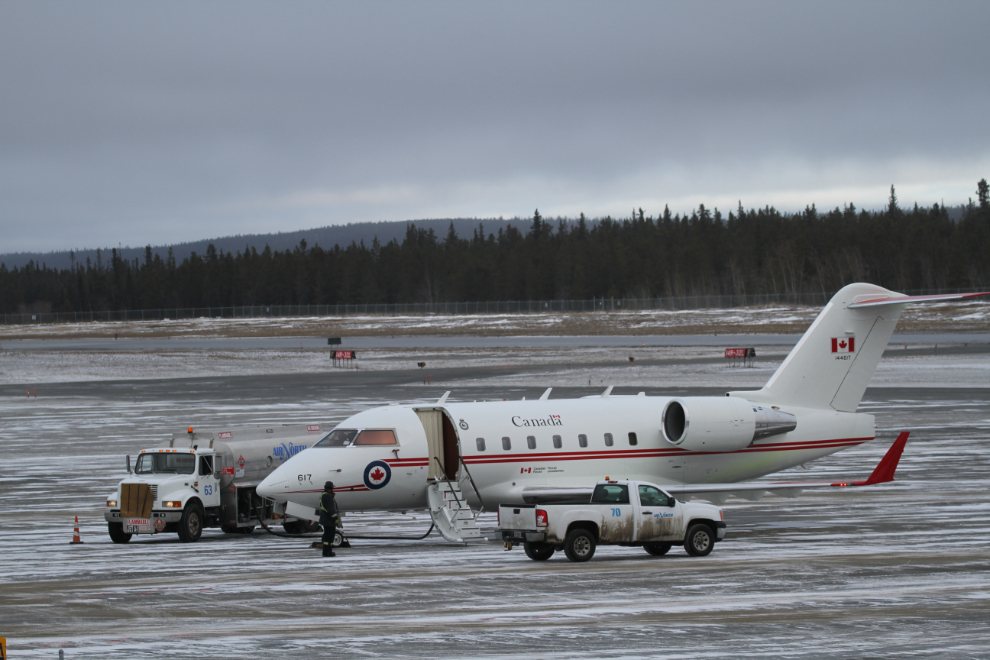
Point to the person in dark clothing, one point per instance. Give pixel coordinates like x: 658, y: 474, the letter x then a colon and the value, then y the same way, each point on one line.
x: 329, y: 518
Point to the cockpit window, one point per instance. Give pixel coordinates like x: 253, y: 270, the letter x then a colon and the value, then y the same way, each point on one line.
x: 349, y: 437
x: 338, y: 438
x: 165, y: 463
x: 376, y: 438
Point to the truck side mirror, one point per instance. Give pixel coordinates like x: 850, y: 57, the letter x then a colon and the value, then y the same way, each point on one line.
x: 671, y: 502
x: 128, y: 457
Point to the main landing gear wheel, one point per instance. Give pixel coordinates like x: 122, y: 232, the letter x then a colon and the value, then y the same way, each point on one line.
x: 338, y: 539
x: 579, y: 545
x: 117, y: 534
x: 538, y: 551
x: 657, y: 549
x: 700, y: 540
x: 191, y: 525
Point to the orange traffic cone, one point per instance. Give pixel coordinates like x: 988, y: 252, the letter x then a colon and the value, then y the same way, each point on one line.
x: 75, y: 533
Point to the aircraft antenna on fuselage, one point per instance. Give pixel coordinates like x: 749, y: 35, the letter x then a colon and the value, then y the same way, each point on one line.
x: 442, y: 400
x: 546, y: 395
x: 608, y: 390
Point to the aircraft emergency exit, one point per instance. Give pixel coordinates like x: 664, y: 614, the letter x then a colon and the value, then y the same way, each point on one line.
x: 453, y: 456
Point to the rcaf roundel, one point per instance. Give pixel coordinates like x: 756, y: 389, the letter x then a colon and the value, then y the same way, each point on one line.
x: 377, y: 474
x: 843, y: 344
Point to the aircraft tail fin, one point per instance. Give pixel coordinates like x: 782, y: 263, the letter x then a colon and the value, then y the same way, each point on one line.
x: 832, y: 364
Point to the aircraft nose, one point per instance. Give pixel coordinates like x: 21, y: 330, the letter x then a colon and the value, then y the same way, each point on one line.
x: 273, y: 485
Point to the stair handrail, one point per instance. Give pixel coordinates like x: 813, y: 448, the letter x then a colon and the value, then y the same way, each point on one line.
x: 473, y: 485
x: 444, y: 473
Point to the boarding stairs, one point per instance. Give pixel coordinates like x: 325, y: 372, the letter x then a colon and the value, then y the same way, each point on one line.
x: 452, y: 515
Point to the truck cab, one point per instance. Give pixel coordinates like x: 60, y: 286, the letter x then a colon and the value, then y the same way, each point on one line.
x: 618, y: 512
x: 171, y: 490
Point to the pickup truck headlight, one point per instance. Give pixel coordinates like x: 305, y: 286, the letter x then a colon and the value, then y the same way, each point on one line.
x: 111, y: 504
x: 173, y: 504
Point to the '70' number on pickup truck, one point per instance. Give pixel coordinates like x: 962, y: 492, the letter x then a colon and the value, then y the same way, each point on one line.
x: 616, y: 513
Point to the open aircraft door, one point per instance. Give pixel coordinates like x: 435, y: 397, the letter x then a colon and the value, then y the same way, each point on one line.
x: 449, y: 507
x: 442, y: 443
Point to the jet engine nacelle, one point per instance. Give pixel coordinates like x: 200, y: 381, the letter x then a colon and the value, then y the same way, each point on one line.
x: 721, y: 423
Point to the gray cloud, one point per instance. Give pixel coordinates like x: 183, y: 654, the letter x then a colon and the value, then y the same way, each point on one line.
x: 141, y: 123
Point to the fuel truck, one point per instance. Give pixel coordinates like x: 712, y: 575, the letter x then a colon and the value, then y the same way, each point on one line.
x: 207, y: 479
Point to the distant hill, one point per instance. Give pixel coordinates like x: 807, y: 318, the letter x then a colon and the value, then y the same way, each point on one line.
x: 325, y: 237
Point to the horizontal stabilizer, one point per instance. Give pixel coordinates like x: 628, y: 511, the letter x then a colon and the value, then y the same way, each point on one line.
x: 876, y: 301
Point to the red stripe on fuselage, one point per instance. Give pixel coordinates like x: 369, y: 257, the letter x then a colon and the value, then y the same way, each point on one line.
x: 661, y: 452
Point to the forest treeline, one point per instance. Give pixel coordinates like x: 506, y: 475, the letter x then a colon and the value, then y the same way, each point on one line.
x: 705, y: 252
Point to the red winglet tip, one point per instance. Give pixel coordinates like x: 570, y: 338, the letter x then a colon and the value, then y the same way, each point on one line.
x: 888, y: 464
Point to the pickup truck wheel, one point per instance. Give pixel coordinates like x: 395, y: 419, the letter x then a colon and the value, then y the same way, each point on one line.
x: 191, y: 525
x: 657, y: 549
x: 699, y: 540
x: 579, y: 545
x: 338, y: 539
x: 538, y: 551
x: 117, y: 534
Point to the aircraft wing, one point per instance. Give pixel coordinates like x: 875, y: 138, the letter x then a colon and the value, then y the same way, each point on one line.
x: 883, y: 473
x: 719, y: 493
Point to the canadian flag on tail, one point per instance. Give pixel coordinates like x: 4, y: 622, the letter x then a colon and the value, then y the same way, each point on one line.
x: 843, y: 344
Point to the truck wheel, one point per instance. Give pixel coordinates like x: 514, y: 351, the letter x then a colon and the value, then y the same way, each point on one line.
x: 293, y: 527
x: 657, y: 549
x: 338, y: 538
x: 191, y: 525
x: 538, y: 551
x: 579, y: 545
x: 117, y: 534
x: 699, y: 540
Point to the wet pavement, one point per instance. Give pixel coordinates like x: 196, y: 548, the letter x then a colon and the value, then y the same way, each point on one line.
x: 892, y: 571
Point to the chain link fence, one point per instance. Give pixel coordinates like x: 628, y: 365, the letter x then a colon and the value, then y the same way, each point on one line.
x: 443, y: 308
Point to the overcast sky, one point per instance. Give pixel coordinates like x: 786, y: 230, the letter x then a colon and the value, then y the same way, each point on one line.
x: 162, y: 122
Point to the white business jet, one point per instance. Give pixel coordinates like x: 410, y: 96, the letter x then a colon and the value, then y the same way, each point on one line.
x: 450, y: 456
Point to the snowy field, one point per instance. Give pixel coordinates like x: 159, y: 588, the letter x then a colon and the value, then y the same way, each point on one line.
x: 900, y: 570
x: 778, y: 319
x: 654, y: 366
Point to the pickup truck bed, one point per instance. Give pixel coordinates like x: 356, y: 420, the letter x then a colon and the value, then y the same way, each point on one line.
x: 630, y: 513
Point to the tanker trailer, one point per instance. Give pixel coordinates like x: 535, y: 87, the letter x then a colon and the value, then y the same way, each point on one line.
x: 207, y: 478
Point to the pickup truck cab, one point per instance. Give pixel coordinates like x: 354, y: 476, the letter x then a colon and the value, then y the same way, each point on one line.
x: 629, y: 513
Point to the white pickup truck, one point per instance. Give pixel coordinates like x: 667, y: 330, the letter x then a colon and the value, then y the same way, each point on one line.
x: 630, y: 513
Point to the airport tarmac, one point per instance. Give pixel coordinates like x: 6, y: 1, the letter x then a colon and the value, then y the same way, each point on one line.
x: 892, y: 571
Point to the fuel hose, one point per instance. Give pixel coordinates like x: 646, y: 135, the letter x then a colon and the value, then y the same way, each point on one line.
x: 261, y: 522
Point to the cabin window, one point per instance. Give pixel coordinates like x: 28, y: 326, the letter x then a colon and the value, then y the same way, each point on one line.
x: 583, y: 440
x: 608, y: 440
x: 205, y: 465
x: 506, y: 444
x: 376, y: 438
x: 531, y: 441
x: 481, y: 444
x: 557, y: 442
x: 610, y: 494
x: 632, y: 439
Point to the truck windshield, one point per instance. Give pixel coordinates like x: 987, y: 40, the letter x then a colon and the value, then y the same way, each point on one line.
x: 170, y: 463
x: 610, y: 494
x: 338, y: 438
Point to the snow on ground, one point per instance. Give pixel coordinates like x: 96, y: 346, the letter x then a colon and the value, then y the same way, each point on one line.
x: 898, y: 570
x: 957, y: 317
